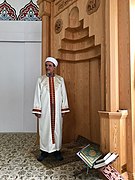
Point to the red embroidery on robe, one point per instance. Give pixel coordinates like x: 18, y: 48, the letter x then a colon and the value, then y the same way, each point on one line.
x: 52, y: 106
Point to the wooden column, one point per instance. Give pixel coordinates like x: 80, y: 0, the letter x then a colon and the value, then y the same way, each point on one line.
x: 126, y: 27
x: 111, y: 55
x: 45, y: 13
x: 112, y: 121
x: 131, y: 125
x: 113, y: 139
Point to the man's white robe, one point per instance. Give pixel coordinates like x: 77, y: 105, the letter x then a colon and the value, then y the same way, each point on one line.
x: 42, y: 106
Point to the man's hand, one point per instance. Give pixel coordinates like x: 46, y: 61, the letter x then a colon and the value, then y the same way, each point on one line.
x: 38, y: 115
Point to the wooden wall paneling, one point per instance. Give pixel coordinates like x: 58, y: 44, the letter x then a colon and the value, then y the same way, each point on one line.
x: 105, y: 131
x: 67, y: 71
x: 77, y: 48
x: 103, y: 80
x: 82, y: 93
x: 95, y: 99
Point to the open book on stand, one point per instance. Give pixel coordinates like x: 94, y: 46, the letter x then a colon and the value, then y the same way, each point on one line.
x: 91, y: 155
x: 112, y: 157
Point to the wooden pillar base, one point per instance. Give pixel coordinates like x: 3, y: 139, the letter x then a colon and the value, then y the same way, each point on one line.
x: 113, y: 136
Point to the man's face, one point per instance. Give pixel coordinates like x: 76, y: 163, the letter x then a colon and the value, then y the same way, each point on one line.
x: 49, y: 67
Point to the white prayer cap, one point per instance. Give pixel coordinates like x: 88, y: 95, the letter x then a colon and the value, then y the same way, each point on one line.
x: 53, y: 60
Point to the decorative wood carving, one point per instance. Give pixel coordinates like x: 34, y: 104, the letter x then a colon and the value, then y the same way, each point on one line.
x: 92, y: 6
x: 62, y: 4
x: 58, y: 26
x: 80, y: 65
x: 77, y: 46
x: 74, y: 17
x: 44, y: 7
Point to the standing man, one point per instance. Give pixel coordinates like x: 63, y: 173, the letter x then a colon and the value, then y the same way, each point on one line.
x: 50, y: 104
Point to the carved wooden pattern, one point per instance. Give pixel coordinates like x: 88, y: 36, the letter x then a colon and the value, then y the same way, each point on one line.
x: 80, y: 65
x: 92, y: 6
x: 77, y: 46
x: 58, y: 26
x: 62, y: 4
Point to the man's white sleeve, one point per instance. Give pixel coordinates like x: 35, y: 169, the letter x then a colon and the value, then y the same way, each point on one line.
x: 65, y: 107
x: 37, y: 99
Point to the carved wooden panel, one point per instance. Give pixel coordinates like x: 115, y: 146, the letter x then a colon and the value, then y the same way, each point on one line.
x: 80, y: 65
x: 92, y: 6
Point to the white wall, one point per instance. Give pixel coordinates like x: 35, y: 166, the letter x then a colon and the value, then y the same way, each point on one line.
x: 20, y: 65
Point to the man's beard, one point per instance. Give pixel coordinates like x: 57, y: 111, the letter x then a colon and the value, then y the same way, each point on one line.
x: 48, y: 73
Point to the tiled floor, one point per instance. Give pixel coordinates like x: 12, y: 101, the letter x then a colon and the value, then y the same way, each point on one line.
x: 17, y: 162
